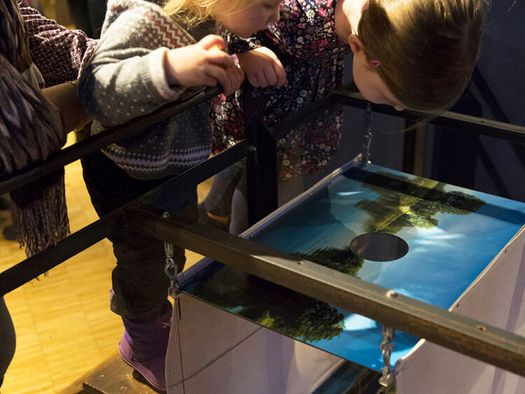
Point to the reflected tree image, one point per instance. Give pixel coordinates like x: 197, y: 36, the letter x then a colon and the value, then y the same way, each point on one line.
x: 418, y: 204
x: 309, y: 321
x: 342, y: 260
x: 272, y: 306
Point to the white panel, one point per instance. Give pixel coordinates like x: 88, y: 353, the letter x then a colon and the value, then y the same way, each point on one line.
x: 497, y: 298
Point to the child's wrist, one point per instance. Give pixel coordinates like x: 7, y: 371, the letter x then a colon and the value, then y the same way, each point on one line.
x: 171, y: 79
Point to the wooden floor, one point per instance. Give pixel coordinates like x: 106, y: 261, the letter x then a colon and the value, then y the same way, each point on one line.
x: 64, y: 326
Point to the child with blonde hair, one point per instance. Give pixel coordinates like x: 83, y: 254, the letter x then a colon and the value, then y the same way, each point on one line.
x: 149, y: 55
x: 416, y: 54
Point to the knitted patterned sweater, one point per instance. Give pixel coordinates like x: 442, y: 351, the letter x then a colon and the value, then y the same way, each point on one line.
x: 126, y: 79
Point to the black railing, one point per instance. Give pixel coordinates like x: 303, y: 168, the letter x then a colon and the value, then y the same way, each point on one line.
x: 462, y: 334
x: 450, y: 330
x: 99, y: 141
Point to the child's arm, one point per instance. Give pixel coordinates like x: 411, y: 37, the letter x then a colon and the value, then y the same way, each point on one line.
x: 263, y: 68
x: 65, y: 97
x: 132, y: 74
x: 58, y: 52
x: 126, y: 76
x: 261, y: 65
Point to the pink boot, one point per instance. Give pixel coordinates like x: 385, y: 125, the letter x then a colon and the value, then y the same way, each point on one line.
x: 144, y: 345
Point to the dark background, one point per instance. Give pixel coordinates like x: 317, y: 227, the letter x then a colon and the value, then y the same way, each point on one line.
x: 497, y: 91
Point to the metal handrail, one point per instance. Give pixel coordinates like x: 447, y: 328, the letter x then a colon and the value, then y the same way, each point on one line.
x: 451, y: 330
x: 95, y: 143
x: 42, y: 262
x: 344, y: 95
x: 507, y: 131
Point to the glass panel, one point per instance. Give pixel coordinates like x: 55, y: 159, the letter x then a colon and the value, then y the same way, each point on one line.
x: 452, y: 234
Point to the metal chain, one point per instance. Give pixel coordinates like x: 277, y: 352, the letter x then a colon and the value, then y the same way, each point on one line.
x: 367, y: 138
x: 387, y: 345
x: 171, y: 268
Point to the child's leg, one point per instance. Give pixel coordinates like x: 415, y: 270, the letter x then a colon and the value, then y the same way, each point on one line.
x: 146, y: 337
x: 139, y: 283
x: 239, y: 219
x: 239, y: 206
x: 218, y: 203
x: 217, y: 206
x: 286, y: 190
x: 140, y: 286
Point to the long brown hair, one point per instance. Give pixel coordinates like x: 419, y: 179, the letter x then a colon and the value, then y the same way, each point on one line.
x: 427, y: 48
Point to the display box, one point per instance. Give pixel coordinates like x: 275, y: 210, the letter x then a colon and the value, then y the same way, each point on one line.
x: 451, y: 247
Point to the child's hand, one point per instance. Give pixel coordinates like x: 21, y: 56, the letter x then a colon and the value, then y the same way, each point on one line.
x: 203, y: 64
x: 235, y: 74
x: 263, y: 68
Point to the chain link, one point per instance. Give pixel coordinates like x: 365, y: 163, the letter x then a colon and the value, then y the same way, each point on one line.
x: 171, y: 268
x: 367, y: 138
x: 387, y: 345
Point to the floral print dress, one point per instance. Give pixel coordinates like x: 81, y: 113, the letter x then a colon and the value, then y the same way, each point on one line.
x: 306, y: 43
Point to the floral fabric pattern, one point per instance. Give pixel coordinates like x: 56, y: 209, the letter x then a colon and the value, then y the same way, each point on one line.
x: 306, y: 43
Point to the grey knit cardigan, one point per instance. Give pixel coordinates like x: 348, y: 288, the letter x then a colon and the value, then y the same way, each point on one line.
x: 126, y: 79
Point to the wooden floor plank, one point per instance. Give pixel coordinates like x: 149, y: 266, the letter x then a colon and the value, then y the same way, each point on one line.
x: 64, y: 326
x: 114, y: 376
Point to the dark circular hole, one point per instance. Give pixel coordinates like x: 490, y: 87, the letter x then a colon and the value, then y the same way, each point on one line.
x: 379, y: 246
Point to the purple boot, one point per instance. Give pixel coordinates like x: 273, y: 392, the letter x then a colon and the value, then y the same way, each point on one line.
x: 144, y: 345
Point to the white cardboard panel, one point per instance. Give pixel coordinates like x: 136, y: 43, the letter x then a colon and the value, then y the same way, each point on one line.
x: 496, y: 298
x: 212, y: 351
